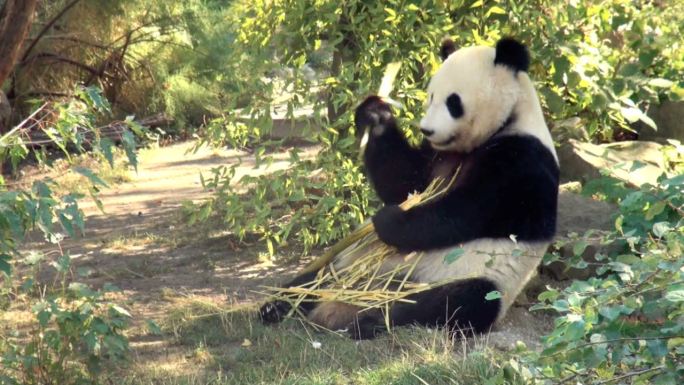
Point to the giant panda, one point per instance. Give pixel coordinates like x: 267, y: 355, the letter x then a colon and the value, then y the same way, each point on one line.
x: 482, y: 118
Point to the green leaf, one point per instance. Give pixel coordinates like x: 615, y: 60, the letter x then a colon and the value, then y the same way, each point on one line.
x: 575, y: 330
x: 95, y: 99
x: 675, y: 295
x: 129, y: 144
x: 579, y: 247
x: 549, y: 295
x: 660, y: 228
x: 664, y: 379
x: 575, y: 300
x: 674, y: 181
x: 496, y: 11
x: 654, y: 210
x: 136, y: 127
x: 88, y: 173
x: 62, y: 264
x: 42, y: 189
x: 106, y: 146
x: 609, y: 312
x: 648, y: 121
x: 33, y: 257
x: 631, y: 114
x: 660, y: 83
x: 44, y: 317
x: 492, y: 295
x: 271, y: 249
x: 118, y: 309
x: 81, y: 290
x: 153, y: 328
x: 5, y: 266
x: 453, y: 255
x: 555, y: 103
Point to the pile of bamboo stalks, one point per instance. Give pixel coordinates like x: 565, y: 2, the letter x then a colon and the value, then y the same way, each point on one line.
x: 366, y: 282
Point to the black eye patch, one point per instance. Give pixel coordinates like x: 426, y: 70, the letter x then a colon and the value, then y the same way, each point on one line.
x: 454, y: 106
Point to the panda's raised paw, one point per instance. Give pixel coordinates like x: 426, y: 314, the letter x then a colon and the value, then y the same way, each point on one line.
x: 373, y: 113
x: 274, y: 311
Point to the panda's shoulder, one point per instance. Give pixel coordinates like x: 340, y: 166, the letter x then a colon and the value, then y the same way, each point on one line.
x: 516, y: 148
x: 515, y: 159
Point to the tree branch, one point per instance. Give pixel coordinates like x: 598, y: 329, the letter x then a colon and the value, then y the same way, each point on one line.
x: 47, y: 27
x: 77, y: 40
x: 631, y: 374
x: 63, y: 59
x: 17, y: 17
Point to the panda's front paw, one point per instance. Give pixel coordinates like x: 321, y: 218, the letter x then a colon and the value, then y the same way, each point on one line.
x: 274, y: 311
x: 374, y: 113
x: 365, y: 327
x: 389, y: 225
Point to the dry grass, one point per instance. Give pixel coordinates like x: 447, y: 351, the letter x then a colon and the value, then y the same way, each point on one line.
x: 217, y: 344
x: 364, y: 283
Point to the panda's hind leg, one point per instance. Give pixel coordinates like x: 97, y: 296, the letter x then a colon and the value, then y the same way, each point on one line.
x: 458, y: 306
x: 275, y: 311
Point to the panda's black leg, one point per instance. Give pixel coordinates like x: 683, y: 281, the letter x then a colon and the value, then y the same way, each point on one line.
x: 458, y: 306
x: 275, y: 311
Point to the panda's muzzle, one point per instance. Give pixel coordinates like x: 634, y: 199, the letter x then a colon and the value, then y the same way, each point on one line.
x: 447, y: 142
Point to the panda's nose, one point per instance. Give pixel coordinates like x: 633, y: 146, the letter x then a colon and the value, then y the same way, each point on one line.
x: 427, y: 132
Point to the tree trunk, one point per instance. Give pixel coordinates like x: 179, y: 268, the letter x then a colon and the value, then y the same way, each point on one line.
x: 16, y: 17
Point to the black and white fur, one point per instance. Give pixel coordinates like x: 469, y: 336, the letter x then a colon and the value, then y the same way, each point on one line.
x: 483, y: 115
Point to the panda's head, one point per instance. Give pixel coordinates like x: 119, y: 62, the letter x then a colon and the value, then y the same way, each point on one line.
x: 475, y: 93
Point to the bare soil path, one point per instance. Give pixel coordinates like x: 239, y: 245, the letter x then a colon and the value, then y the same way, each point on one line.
x: 144, y: 245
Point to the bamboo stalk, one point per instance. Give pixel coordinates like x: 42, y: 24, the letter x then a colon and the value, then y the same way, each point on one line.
x: 366, y: 282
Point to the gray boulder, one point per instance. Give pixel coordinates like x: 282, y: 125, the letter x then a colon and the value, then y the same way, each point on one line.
x: 636, y: 162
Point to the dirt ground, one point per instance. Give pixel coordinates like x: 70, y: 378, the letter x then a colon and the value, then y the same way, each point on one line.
x: 143, y: 241
x: 144, y: 246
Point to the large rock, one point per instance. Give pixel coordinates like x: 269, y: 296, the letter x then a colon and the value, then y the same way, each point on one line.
x: 636, y: 162
x: 669, y: 117
x: 300, y: 125
x: 576, y: 215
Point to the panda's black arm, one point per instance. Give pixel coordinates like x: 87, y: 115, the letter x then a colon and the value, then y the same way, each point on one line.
x: 510, y: 188
x: 447, y: 222
x: 394, y: 167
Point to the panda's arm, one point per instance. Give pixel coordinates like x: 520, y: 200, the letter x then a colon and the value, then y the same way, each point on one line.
x: 394, y: 167
x: 455, y: 219
x: 510, y: 189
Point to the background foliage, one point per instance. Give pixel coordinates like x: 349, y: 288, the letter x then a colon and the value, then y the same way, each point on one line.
x: 75, y: 329
x: 222, y: 70
x: 597, y: 67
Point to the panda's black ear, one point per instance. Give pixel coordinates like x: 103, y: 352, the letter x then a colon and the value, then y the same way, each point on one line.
x: 448, y: 47
x: 511, y: 53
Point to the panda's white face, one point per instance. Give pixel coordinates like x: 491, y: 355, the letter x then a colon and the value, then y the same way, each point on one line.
x: 469, y: 98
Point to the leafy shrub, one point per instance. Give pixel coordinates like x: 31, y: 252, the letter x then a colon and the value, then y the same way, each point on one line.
x: 314, y: 202
x: 627, y: 322
x: 75, y: 329
x: 597, y: 66
x: 70, y: 126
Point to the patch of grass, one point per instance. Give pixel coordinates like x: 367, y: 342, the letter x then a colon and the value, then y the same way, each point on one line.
x: 228, y: 345
x: 68, y: 181
x: 139, y: 240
